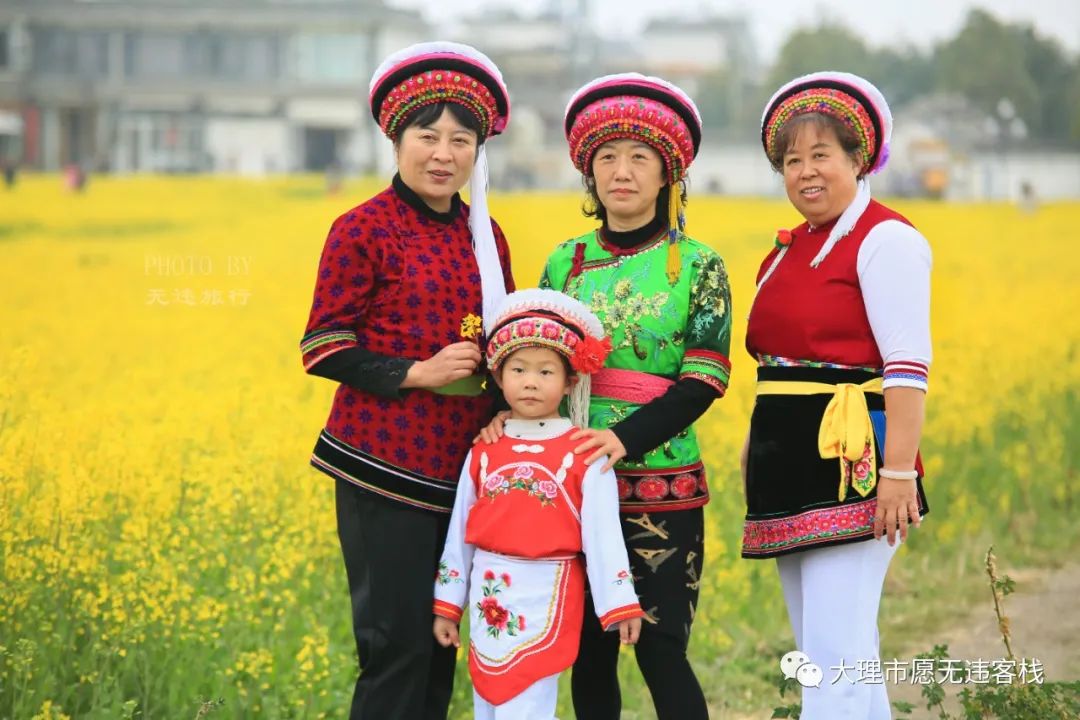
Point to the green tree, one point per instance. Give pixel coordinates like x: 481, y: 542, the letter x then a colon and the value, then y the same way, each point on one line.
x: 989, y: 60
x: 1072, y: 105
x: 716, y: 99
x: 826, y: 47
x: 986, y: 62
x: 1054, y: 77
x: 729, y: 106
x: 900, y: 73
x: 904, y: 74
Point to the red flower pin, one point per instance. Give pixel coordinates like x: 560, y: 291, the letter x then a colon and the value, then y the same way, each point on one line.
x: 589, y: 355
x: 783, y: 238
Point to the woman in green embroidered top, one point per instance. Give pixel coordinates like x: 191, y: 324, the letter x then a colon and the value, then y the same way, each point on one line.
x: 665, y: 303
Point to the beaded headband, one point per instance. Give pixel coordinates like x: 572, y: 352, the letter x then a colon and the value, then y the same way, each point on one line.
x: 852, y: 100
x: 636, y: 107
x: 439, y: 72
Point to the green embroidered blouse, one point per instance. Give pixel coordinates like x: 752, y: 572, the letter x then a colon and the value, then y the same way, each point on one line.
x: 668, y: 330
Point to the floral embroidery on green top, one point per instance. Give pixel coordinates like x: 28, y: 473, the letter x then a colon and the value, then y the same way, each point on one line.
x: 669, y: 330
x: 709, y: 297
x: 621, y: 312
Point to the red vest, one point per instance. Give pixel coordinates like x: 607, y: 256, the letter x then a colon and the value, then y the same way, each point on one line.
x: 805, y: 313
x: 536, y: 495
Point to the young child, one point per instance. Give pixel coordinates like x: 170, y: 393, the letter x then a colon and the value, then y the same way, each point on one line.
x: 525, y: 510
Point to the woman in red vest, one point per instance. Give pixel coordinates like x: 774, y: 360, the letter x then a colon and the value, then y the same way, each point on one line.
x: 403, y: 281
x: 840, y: 327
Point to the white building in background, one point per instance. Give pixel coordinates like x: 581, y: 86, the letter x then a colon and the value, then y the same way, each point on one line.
x: 243, y: 86
x: 265, y: 86
x: 945, y: 147
x: 548, y: 54
x: 686, y: 50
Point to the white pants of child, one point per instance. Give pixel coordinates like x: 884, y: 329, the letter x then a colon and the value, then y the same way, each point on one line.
x: 832, y: 596
x: 536, y: 702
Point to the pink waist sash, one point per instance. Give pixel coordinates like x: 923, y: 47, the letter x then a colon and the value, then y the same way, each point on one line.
x: 629, y: 385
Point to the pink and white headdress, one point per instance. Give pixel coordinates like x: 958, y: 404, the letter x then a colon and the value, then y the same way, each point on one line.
x: 852, y: 100
x: 550, y: 319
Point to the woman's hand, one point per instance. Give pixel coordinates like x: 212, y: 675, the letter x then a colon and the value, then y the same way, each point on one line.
x: 446, y: 632
x: 605, y: 442
x: 898, y: 501
x: 897, y: 505
x: 453, y: 362
x: 494, y: 429
x: 629, y: 631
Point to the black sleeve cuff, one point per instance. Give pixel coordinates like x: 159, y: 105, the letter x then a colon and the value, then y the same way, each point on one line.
x: 656, y: 422
x: 364, y: 370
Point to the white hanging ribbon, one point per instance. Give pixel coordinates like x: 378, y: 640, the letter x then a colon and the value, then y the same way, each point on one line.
x: 492, y: 285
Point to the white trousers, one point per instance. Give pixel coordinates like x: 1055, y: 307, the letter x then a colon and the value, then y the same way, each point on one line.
x: 536, y: 702
x: 832, y: 596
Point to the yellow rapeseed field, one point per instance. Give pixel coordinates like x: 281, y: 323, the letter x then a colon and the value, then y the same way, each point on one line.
x: 164, y: 544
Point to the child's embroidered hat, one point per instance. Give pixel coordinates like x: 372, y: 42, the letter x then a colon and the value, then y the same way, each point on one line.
x: 550, y: 319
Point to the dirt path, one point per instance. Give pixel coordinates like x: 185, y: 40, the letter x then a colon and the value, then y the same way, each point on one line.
x: 1044, y: 613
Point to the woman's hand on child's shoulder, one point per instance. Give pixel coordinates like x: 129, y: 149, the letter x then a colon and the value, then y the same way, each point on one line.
x: 629, y: 631
x: 494, y: 429
x: 604, y: 442
x: 446, y: 632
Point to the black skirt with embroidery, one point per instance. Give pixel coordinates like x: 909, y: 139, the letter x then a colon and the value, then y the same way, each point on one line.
x: 792, y: 493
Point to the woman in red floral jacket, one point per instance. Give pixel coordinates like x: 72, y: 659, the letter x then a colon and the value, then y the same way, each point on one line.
x: 403, y: 282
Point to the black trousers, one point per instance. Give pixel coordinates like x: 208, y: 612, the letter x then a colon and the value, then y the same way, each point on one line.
x: 666, y: 553
x: 391, y: 554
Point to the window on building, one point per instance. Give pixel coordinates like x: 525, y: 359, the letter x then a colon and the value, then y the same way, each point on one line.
x: 249, y: 57
x: 332, y: 58
x: 60, y: 51
x: 154, y: 55
x: 5, y: 52
x: 203, y: 51
x: 161, y: 142
x: 91, y: 54
x: 52, y: 50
